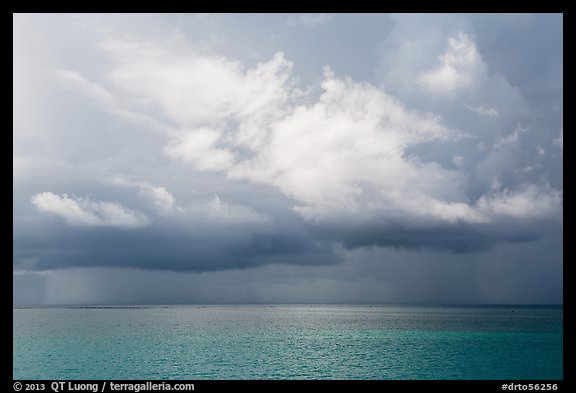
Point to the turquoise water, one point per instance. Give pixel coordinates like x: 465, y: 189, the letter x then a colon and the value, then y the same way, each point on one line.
x: 288, y: 342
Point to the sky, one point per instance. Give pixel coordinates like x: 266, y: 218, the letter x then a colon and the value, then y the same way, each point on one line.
x: 287, y: 158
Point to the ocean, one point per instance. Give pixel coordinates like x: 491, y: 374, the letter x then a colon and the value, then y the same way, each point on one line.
x: 288, y: 342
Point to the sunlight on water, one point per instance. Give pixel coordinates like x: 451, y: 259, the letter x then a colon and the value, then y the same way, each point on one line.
x: 288, y: 342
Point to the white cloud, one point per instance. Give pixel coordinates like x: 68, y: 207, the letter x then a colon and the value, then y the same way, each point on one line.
x: 198, y: 147
x: 423, y: 57
x: 215, y: 210
x: 162, y: 200
x: 483, y: 110
x: 212, y: 101
x: 195, y: 90
x: 221, y: 211
x: 345, y: 155
x: 458, y: 67
x: 528, y: 202
x: 308, y: 20
x: 505, y: 158
x: 528, y: 168
x: 78, y: 211
x: 511, y: 139
x: 206, y: 210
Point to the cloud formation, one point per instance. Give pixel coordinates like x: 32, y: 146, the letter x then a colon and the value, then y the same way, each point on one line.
x: 484, y: 110
x: 342, y: 157
x: 241, y: 143
x: 78, y: 211
x: 458, y: 68
x: 162, y: 200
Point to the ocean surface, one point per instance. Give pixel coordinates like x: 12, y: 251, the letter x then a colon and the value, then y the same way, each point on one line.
x: 288, y: 342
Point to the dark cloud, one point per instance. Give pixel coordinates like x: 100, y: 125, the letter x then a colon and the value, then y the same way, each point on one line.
x: 179, y: 245
x: 458, y: 238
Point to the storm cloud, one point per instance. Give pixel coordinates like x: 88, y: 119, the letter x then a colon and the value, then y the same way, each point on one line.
x: 152, y: 143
